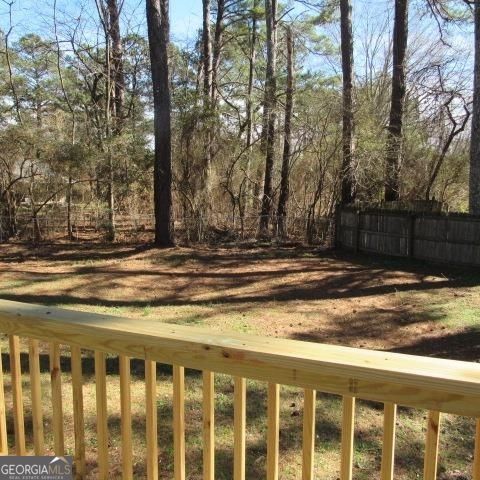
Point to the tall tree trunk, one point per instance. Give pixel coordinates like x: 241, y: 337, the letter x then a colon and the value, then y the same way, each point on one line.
x: 475, y: 135
x: 116, y: 100
x: 116, y: 73
x: 8, y: 215
x: 205, y: 187
x: 74, y: 121
x: 111, y: 233
x: 207, y: 52
x: 395, y: 127
x: 247, y: 191
x: 109, y: 112
x: 270, y: 104
x: 217, y: 47
x: 348, y: 171
x: 158, y: 37
x: 69, y: 208
x: 455, y: 130
x: 287, y: 141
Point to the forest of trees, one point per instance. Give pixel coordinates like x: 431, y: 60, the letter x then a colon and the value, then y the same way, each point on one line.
x: 278, y: 110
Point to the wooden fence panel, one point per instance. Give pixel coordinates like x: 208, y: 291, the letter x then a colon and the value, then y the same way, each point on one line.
x: 437, y: 237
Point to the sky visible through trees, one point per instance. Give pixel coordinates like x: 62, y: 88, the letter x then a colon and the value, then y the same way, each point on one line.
x: 68, y: 70
x: 186, y: 20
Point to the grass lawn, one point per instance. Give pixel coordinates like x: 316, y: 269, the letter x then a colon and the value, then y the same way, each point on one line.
x: 290, y: 293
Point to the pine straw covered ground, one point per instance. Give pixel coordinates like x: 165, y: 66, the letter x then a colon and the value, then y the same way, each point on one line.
x: 291, y: 293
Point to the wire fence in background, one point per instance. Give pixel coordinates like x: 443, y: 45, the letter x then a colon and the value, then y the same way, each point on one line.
x: 94, y: 225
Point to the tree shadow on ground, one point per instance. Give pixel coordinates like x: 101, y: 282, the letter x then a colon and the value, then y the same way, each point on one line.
x: 463, y: 345
x: 347, y: 286
x: 216, y: 276
x: 137, y: 366
x: 79, y: 252
x: 380, y: 323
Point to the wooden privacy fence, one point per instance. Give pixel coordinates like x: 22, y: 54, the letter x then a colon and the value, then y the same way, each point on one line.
x: 394, y: 379
x: 441, y: 237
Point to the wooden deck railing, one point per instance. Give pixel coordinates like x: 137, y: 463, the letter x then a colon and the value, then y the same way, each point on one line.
x: 394, y: 379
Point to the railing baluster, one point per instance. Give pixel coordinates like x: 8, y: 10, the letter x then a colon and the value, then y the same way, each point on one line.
x: 476, y: 458
x: 308, y: 460
x: 3, y: 414
x: 126, y: 417
x: 265, y: 360
x: 18, y: 419
x: 348, y: 423
x: 179, y: 421
x: 57, y: 404
x: 102, y: 420
x: 273, y: 420
x: 388, y: 454
x: 151, y: 407
x: 239, y: 425
x: 78, y: 417
x: 431, y: 445
x: 208, y: 425
x: 36, y: 394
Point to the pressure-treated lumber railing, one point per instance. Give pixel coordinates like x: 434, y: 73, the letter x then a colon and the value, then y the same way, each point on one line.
x: 394, y: 379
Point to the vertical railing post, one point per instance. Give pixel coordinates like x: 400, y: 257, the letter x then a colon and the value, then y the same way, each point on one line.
x: 348, y: 422
x: 431, y: 445
x: 18, y: 418
x: 476, y: 457
x: 179, y: 421
x: 239, y: 425
x: 3, y: 414
x: 208, y: 426
x: 388, y: 454
x: 102, y: 420
x: 126, y: 417
x: 78, y: 417
x: 36, y: 394
x: 57, y: 403
x: 273, y: 414
x: 308, y: 455
x: 151, y: 410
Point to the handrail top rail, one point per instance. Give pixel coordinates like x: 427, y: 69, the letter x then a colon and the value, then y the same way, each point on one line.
x: 423, y: 382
